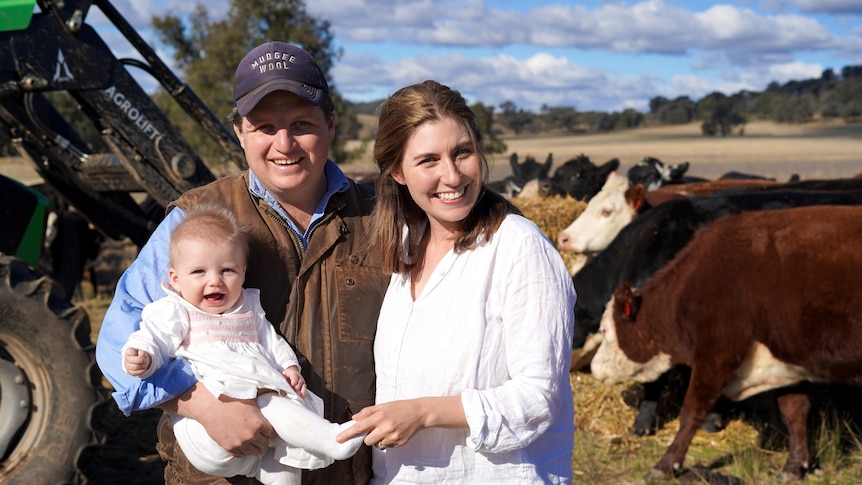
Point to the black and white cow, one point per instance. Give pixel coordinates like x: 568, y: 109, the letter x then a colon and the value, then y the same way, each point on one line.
x: 652, y: 173
x: 580, y: 178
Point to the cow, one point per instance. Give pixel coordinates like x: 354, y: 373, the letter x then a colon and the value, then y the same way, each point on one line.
x: 580, y: 178
x: 652, y: 240
x: 756, y: 301
x: 845, y: 183
x: 522, y: 174
x: 620, y: 201
x: 604, y: 216
x: 533, y: 188
x: 655, y: 237
x: 652, y: 173
x: 703, y: 187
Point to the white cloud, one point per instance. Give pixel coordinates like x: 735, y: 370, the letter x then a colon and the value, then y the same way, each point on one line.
x: 725, y: 27
x: 379, y: 14
x: 529, y: 83
x: 650, y: 26
x: 543, y: 79
x: 493, y: 53
x: 796, y: 70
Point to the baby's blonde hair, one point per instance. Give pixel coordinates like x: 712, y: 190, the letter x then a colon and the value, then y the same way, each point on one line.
x: 209, y: 223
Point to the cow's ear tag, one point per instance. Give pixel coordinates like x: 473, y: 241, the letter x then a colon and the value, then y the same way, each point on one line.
x: 627, y: 309
x: 638, y: 203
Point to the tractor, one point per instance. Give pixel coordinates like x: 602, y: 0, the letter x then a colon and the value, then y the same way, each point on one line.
x: 49, y: 383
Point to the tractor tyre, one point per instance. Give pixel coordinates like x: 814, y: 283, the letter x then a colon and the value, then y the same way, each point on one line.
x: 50, y: 384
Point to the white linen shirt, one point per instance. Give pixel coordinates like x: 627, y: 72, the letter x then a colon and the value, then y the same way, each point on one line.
x: 493, y: 325
x: 235, y: 353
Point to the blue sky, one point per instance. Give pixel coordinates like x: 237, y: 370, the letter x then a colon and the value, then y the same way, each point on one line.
x: 590, y: 55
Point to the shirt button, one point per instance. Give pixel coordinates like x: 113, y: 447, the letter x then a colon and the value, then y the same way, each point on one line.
x: 354, y: 259
x: 350, y: 282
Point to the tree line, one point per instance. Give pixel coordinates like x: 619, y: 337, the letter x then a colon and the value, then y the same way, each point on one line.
x: 831, y: 96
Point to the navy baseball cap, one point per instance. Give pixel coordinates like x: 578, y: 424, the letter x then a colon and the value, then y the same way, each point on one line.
x: 277, y: 66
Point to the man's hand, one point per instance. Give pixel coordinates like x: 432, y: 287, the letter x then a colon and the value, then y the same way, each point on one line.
x: 235, y: 424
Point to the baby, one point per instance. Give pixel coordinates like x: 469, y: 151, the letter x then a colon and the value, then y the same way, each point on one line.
x: 209, y: 319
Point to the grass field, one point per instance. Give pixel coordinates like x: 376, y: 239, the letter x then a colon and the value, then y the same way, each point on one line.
x: 605, y: 451
x: 769, y: 149
x: 814, y: 150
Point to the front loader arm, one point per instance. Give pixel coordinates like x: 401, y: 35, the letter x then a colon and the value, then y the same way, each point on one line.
x: 58, y: 51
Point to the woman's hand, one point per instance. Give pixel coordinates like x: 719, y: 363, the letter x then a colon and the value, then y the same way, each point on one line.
x: 394, y: 423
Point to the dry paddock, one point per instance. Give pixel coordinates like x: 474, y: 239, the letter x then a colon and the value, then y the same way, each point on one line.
x: 815, y: 150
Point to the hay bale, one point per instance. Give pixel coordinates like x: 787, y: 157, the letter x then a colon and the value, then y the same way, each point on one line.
x: 552, y: 215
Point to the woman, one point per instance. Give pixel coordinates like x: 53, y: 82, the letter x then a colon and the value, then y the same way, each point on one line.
x: 472, y: 349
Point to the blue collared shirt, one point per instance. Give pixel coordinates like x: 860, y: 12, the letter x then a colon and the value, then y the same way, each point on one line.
x: 140, y: 284
x: 336, y: 181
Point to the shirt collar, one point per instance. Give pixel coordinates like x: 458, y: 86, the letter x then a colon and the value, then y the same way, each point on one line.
x: 336, y: 182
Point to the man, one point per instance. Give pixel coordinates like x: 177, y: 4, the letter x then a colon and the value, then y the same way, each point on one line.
x: 307, y: 256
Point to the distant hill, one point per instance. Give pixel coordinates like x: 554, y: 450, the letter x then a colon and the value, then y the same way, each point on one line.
x: 368, y: 124
x: 366, y: 108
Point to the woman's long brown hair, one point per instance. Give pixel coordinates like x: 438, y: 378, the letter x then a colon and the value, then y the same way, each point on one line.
x: 399, y: 117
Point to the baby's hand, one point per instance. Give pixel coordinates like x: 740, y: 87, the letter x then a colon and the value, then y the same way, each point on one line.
x: 136, y: 362
x: 295, y: 379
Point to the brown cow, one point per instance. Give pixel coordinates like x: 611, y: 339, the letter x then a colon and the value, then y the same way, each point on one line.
x: 756, y: 301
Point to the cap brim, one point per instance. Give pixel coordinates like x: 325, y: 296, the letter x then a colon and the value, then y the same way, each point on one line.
x: 310, y: 94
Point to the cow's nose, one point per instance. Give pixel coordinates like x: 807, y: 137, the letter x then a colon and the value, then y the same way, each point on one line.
x: 562, y: 240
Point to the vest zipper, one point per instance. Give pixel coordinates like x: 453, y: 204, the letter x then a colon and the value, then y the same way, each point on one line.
x: 296, y: 237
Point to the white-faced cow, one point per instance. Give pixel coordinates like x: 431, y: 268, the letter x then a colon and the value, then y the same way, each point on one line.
x: 757, y: 301
x: 580, y: 178
x: 605, y: 215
